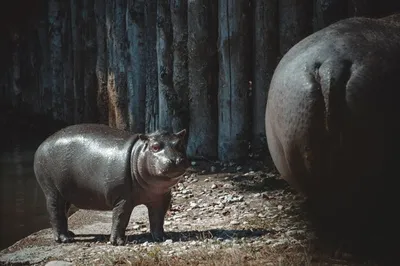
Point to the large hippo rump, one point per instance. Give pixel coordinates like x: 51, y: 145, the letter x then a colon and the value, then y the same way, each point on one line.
x: 332, y: 119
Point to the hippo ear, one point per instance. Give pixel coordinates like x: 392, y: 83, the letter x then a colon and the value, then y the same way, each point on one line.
x: 143, y: 137
x: 181, y: 134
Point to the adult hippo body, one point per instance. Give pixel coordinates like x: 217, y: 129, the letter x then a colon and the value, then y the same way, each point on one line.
x: 332, y: 115
x: 97, y: 167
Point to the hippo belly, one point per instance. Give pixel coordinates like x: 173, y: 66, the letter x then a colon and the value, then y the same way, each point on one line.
x: 332, y: 117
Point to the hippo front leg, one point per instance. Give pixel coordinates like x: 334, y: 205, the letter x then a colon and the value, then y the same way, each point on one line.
x: 120, y: 218
x: 157, y: 210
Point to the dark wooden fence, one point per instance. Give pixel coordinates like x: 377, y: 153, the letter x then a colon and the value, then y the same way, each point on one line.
x: 204, y: 65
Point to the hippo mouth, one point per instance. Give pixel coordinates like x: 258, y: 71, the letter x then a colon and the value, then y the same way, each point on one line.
x: 175, y: 171
x: 173, y: 174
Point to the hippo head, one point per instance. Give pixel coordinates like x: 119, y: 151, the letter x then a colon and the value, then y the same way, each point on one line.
x: 164, y: 155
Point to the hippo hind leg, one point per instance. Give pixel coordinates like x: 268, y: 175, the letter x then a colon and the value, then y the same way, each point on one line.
x: 56, y: 207
x: 67, y: 207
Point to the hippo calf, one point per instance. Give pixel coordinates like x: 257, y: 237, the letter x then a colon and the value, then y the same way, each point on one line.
x: 332, y: 118
x: 97, y: 167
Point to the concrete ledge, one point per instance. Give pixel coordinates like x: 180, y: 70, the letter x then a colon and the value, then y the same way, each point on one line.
x: 39, y: 247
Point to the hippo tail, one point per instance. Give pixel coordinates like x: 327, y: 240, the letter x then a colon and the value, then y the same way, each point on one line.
x: 333, y: 77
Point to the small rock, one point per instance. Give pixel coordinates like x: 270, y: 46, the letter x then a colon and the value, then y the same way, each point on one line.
x: 249, y: 215
x: 168, y: 241
x: 268, y: 241
x: 193, y: 205
x: 295, y: 232
x: 193, y: 163
x: 213, y: 169
x: 228, y: 186
x: 58, y: 263
x: 219, y: 207
x: 206, y: 180
x: 136, y: 227
x: 280, y: 243
x: 226, y: 212
x: 239, y: 168
x: 280, y: 207
x: 213, y: 186
x: 234, y: 222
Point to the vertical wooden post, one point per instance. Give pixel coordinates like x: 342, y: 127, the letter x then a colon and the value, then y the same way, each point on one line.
x: 164, y: 65
x: 136, y: 67
x: 120, y: 91
x: 327, y: 12
x: 89, y: 60
x: 203, y: 75
x: 76, y: 22
x: 56, y: 14
x: 101, y: 62
x: 68, y: 68
x: 295, y: 22
x: 152, y: 117
x: 234, y: 76
x: 180, y: 63
x: 265, y: 54
x: 359, y: 8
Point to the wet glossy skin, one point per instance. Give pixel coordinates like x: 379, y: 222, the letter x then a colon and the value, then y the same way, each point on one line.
x: 100, y: 168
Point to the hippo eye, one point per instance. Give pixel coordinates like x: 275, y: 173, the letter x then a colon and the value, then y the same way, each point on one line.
x: 155, y: 147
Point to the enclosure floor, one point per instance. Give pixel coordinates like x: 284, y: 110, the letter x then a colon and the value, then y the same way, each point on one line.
x: 221, y: 214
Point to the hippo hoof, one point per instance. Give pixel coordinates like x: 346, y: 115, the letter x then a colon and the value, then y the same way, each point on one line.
x: 70, y: 233
x: 117, y: 241
x: 160, y: 237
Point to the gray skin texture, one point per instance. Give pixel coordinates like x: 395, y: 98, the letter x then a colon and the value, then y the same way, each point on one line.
x: 332, y: 114
x: 97, y: 167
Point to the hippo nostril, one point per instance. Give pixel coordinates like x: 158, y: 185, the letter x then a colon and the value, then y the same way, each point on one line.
x: 179, y: 160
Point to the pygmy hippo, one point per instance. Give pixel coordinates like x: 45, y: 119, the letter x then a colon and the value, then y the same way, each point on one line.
x: 97, y: 167
x: 332, y: 118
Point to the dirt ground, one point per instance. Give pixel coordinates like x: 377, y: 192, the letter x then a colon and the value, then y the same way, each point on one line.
x: 222, y: 214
